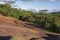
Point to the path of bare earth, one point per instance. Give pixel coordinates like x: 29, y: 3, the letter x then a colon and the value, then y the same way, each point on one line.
x: 23, y: 30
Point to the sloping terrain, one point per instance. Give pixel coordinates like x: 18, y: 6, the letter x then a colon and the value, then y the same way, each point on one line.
x: 20, y: 30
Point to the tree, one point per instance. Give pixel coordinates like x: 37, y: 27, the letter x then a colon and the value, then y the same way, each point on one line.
x: 53, y: 25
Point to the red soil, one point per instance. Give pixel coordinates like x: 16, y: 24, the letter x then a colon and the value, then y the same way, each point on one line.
x: 12, y: 27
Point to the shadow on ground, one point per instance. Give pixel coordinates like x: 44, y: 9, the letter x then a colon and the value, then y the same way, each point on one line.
x: 51, y: 37
x: 5, y: 37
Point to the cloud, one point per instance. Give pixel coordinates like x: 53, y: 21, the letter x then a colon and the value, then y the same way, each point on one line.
x: 53, y: 0
x: 27, y: 0
x: 8, y: 1
x: 32, y: 0
x: 4, y: 0
x: 41, y: 0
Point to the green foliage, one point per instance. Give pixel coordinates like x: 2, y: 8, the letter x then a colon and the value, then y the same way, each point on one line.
x: 42, y: 19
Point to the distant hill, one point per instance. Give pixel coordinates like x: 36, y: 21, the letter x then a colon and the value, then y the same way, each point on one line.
x: 55, y: 12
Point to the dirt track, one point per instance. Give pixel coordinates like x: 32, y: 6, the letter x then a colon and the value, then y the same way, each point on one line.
x: 23, y: 31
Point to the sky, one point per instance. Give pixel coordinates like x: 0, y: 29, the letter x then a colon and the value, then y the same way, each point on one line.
x: 38, y: 4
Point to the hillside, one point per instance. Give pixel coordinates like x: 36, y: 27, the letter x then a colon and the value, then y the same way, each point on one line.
x: 13, y: 27
x: 47, y: 21
x: 20, y: 30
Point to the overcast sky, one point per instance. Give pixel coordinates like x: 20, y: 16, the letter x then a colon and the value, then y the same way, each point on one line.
x: 37, y: 4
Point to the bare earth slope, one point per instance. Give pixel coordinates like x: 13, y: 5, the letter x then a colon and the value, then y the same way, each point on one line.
x: 20, y: 30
